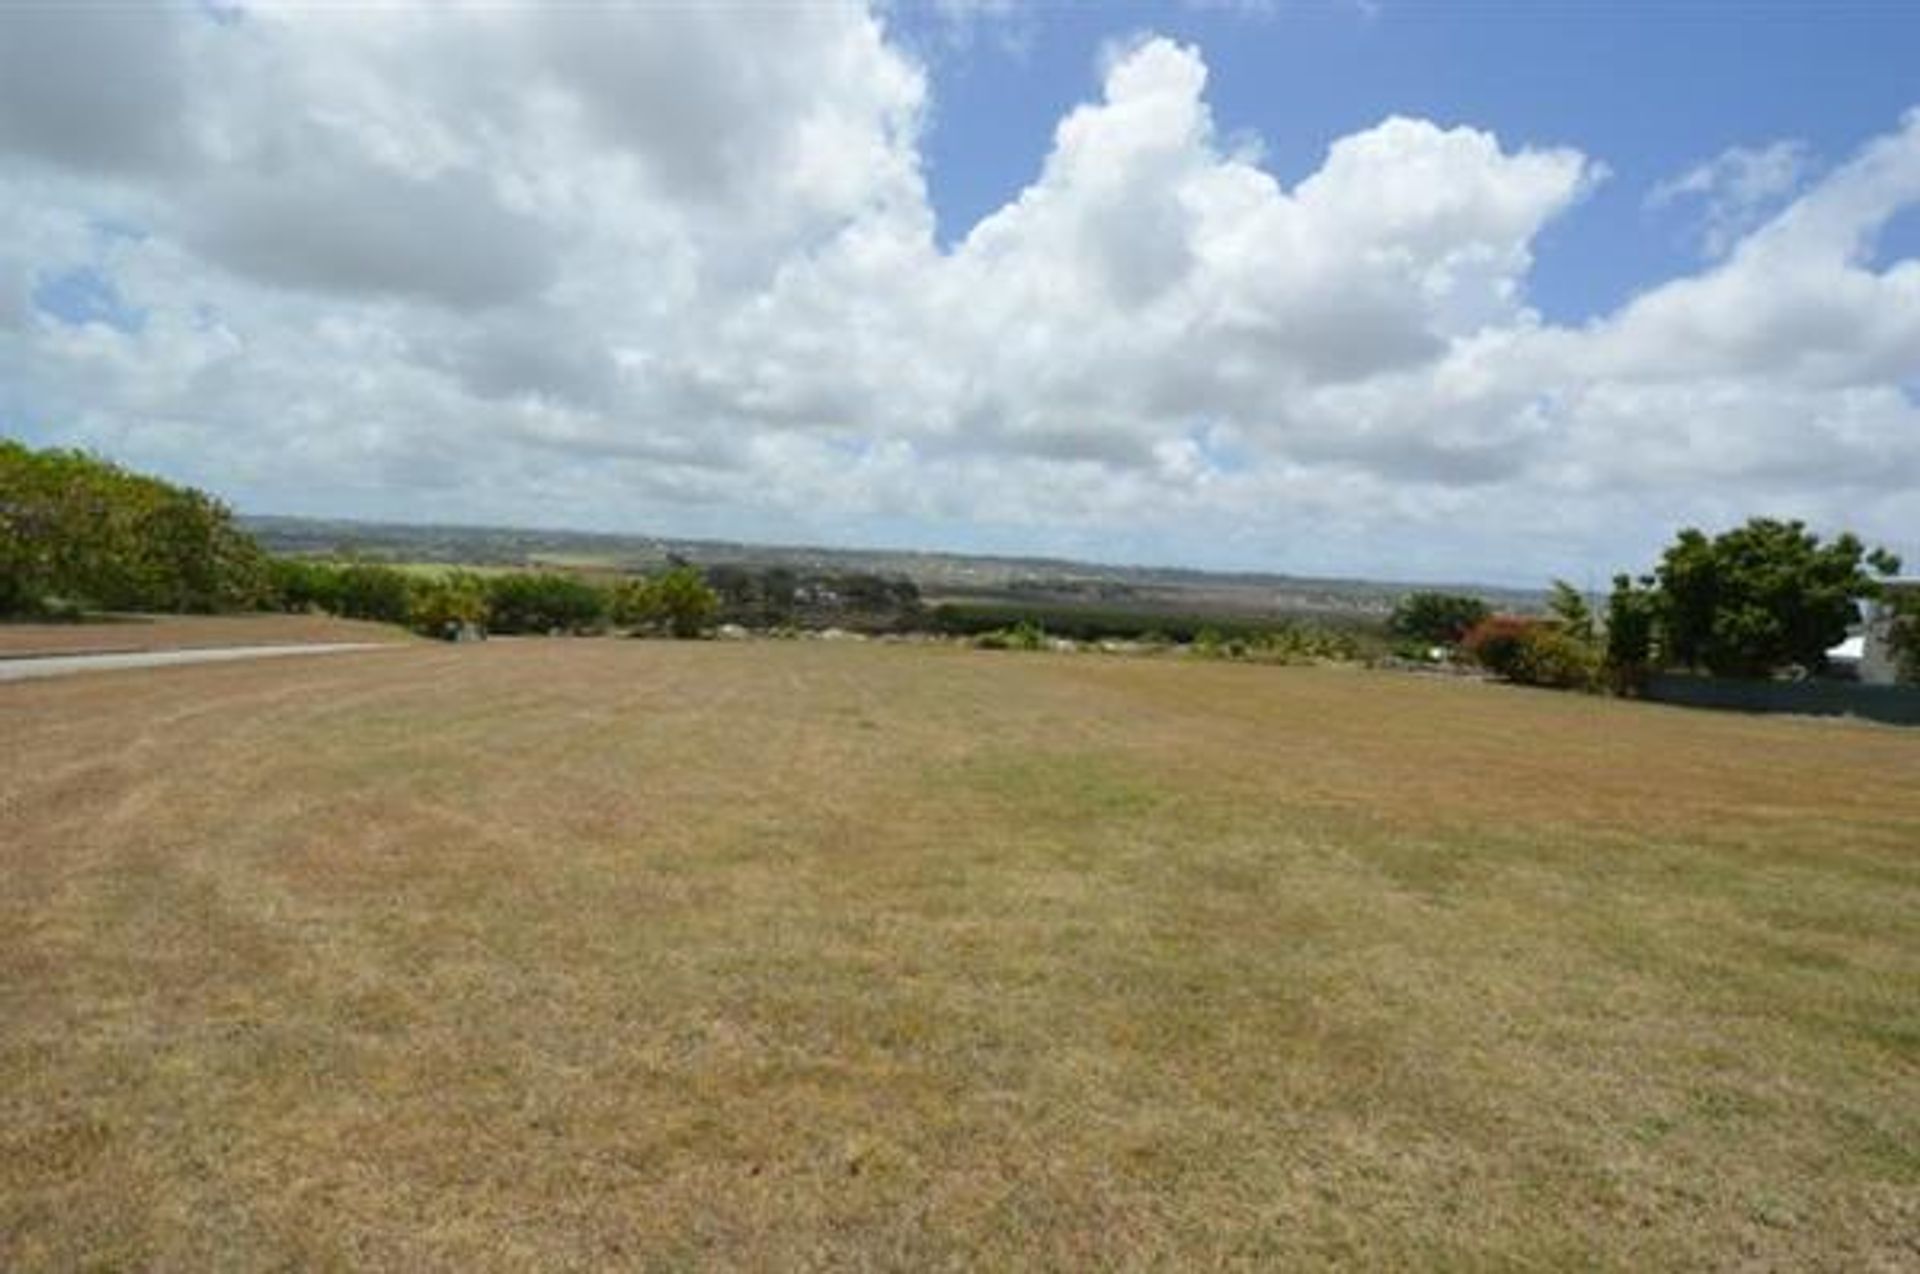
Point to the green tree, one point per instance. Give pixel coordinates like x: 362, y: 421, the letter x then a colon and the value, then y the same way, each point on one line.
x: 677, y: 600
x: 1571, y: 610
x: 81, y: 530
x: 1439, y: 619
x: 1762, y: 596
x: 1903, y: 632
x: 443, y: 605
x: 683, y: 601
x: 1632, y: 611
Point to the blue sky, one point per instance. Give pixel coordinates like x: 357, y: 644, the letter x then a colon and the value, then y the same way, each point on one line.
x: 1425, y: 291
x: 1649, y: 87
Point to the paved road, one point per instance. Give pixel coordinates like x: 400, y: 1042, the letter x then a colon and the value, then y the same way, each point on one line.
x: 63, y: 665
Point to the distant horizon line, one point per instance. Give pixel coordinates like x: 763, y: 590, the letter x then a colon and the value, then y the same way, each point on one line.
x: 959, y: 555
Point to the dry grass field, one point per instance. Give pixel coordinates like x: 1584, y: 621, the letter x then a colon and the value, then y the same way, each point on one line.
x: 578, y: 954
x: 186, y: 632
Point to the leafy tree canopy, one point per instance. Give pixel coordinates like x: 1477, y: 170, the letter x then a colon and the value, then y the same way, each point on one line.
x: 1438, y: 618
x: 1762, y: 596
x: 678, y: 599
x: 77, y: 529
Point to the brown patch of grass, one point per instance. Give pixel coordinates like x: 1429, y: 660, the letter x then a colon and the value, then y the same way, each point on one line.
x: 590, y: 953
x: 186, y: 632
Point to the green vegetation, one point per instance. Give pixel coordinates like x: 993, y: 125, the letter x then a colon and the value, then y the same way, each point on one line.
x: 1571, y: 612
x: 1436, y: 619
x: 80, y: 533
x: 1749, y: 602
x: 677, y: 601
x: 1903, y: 631
x: 1025, y: 635
x: 1761, y: 597
x: 544, y: 602
x: 1145, y: 625
x: 445, y: 600
x: 448, y: 603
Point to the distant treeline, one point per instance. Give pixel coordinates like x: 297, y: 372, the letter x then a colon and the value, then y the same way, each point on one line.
x: 1096, y: 623
x: 782, y: 597
x: 445, y: 603
x: 78, y: 532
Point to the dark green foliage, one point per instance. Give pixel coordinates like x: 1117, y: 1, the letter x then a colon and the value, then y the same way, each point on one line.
x: 542, y: 602
x: 1632, y: 611
x: 737, y: 592
x: 1761, y: 597
x: 1154, y: 627
x: 368, y: 590
x: 1903, y: 632
x: 354, y: 590
x: 300, y: 584
x: 79, y: 530
x: 878, y: 592
x: 778, y: 588
x: 1439, y: 619
x: 778, y: 596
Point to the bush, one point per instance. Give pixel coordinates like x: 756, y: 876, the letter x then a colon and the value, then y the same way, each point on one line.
x: 1556, y: 659
x: 1024, y: 635
x: 678, y: 600
x: 1305, y: 644
x: 367, y: 590
x: 1438, y: 619
x: 298, y: 585
x: 444, y: 606
x: 1495, y: 642
x: 1531, y: 652
x: 81, y: 529
x: 543, y: 602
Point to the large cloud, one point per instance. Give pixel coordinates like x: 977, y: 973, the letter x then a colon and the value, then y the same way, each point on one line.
x: 675, y: 268
x: 92, y: 87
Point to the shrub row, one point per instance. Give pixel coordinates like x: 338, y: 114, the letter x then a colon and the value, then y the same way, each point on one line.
x: 676, y: 601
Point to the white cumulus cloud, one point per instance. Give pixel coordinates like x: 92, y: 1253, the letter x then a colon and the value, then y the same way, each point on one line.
x: 674, y: 267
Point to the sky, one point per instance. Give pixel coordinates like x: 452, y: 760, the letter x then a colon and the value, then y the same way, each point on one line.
x: 1422, y: 291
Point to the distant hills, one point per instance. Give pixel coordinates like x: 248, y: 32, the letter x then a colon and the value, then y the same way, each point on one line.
x: 940, y: 576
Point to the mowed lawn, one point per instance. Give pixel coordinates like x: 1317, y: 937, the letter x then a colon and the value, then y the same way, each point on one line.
x: 123, y: 634
x: 578, y: 954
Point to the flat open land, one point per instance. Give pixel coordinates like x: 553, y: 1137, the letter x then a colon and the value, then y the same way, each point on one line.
x: 571, y: 954
x: 127, y: 633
